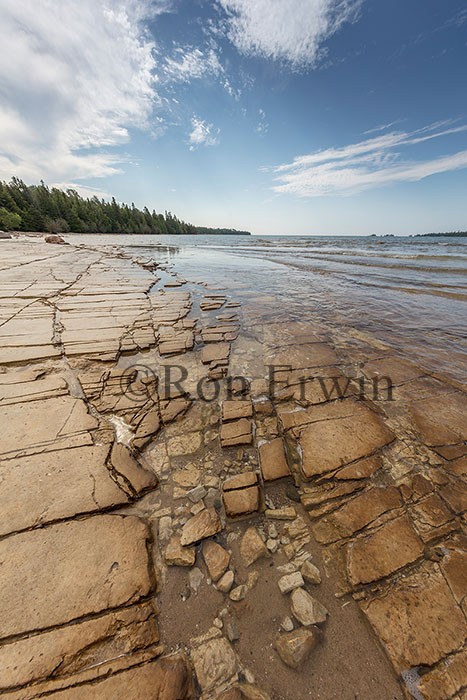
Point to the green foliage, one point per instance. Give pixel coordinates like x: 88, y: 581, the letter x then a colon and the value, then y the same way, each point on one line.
x: 38, y: 208
x: 9, y: 221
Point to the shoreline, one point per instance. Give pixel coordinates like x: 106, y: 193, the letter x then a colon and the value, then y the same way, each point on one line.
x: 141, y: 497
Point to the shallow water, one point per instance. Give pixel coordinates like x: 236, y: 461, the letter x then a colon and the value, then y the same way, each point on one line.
x: 409, y: 293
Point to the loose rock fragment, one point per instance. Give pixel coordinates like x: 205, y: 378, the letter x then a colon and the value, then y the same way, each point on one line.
x: 284, y: 513
x: 200, y: 526
x: 215, y: 662
x: 307, y: 609
x: 216, y: 558
x: 294, y: 647
x: 310, y: 572
x: 225, y: 583
x: 252, y: 547
x: 176, y: 555
x: 288, y: 582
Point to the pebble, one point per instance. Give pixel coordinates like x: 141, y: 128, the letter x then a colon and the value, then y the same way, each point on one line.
x: 272, y: 545
x: 231, y: 630
x: 238, y: 593
x: 287, y: 624
x: 196, y: 494
x: 225, y: 583
x: 310, y: 573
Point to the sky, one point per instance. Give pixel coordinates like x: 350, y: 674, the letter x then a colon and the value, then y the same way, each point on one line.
x: 304, y: 117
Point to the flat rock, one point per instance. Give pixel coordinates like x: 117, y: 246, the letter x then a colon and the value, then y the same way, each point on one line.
x: 73, y: 648
x: 395, y: 545
x: 169, y: 678
x: 237, y: 432
x: 215, y: 663
x: 273, y: 460
x: 29, y: 487
x: 241, y: 501
x: 204, y: 524
x: 240, y: 481
x: 332, y: 441
x: 236, y: 409
x: 362, y: 510
x: 295, y: 647
x: 214, y: 352
x: 441, y: 419
x: 307, y: 609
x: 177, y: 555
x: 42, y: 426
x: 216, y: 559
x: 101, y: 562
x: 418, y: 620
x: 252, y: 547
x: 446, y: 680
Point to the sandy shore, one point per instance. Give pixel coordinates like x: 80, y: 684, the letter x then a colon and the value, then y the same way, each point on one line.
x: 166, y: 533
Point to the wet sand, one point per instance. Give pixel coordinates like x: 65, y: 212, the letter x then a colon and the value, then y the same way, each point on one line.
x: 115, y: 485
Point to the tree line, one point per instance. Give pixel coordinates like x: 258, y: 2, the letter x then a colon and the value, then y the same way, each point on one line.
x: 40, y: 208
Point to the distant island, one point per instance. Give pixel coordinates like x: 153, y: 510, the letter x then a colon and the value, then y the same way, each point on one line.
x: 38, y: 208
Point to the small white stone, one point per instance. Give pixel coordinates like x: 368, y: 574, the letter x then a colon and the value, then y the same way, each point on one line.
x: 272, y: 545
x: 217, y: 623
x: 287, y: 624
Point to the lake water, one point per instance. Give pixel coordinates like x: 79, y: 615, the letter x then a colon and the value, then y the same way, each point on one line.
x: 407, y: 293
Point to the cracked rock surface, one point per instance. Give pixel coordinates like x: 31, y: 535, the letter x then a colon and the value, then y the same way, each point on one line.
x: 168, y: 532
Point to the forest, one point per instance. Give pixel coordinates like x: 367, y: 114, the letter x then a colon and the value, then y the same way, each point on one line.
x: 40, y: 208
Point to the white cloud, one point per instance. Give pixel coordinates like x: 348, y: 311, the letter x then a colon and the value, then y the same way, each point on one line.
x: 291, y: 30
x: 190, y: 63
x: 202, y: 134
x: 365, y: 165
x: 75, y: 76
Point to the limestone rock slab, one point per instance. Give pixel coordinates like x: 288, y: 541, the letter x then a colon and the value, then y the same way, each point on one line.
x: 71, y: 569
x: 273, y: 461
x: 380, y: 554
x: 418, y: 621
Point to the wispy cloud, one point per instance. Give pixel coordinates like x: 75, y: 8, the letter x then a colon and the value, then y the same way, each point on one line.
x: 383, y: 127
x: 202, y: 134
x: 366, y: 164
x: 290, y: 30
x: 190, y: 63
x: 262, y: 126
x: 74, y: 77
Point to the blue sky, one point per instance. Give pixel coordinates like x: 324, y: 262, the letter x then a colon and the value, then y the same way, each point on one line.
x: 313, y: 117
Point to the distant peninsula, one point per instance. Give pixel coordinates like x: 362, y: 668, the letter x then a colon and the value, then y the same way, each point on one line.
x: 451, y: 234
x: 40, y: 208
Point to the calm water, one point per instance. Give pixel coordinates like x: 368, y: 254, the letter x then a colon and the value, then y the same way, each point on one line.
x: 409, y: 293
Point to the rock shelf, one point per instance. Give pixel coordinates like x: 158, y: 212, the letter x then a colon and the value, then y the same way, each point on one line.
x: 304, y: 539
